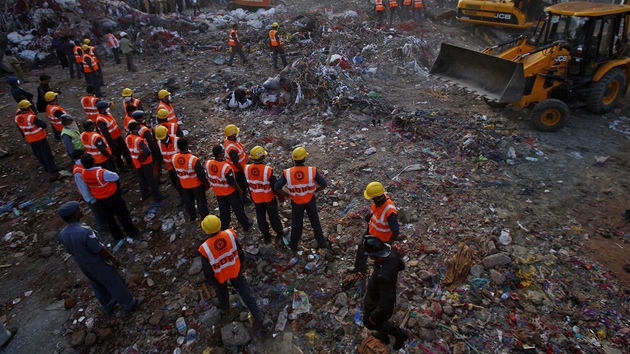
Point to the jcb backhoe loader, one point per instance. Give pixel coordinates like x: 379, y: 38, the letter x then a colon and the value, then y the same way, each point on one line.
x: 580, y: 53
x: 504, y: 13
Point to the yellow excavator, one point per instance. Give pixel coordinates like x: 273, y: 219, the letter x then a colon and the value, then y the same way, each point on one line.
x: 581, y: 52
x: 520, y: 14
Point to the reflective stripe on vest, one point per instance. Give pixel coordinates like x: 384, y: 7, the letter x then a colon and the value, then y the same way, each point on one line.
x: 171, y: 126
x: 26, y: 123
x: 184, y: 165
x: 407, y: 2
x: 230, y: 145
x: 171, y: 112
x: 379, y: 226
x: 89, y: 142
x: 51, y: 109
x: 75, y: 135
x: 88, y: 68
x: 379, y: 5
x: 110, y: 122
x: 272, y: 38
x: 128, y: 119
x: 417, y: 3
x: 133, y: 144
x: 112, y: 41
x: 89, y: 106
x: 95, y: 59
x: 78, y: 53
x: 134, y: 102
x: 168, y: 151
x: 258, y: 176
x: 393, y: 3
x: 301, y: 183
x: 217, y: 172
x: 77, y: 168
x: 231, y: 41
x: 222, y: 254
x: 99, y: 188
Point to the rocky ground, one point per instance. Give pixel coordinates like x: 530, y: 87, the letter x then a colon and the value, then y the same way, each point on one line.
x: 461, y: 174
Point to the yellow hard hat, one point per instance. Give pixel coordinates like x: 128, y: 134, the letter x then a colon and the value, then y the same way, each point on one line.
x: 50, y: 96
x: 85, y: 47
x: 275, y: 24
x: 161, y: 132
x: 373, y: 190
x: 24, y: 104
x: 162, y: 114
x: 126, y: 92
x: 231, y: 129
x: 299, y: 153
x: 163, y: 93
x: 257, y: 152
x: 86, y: 41
x: 211, y: 224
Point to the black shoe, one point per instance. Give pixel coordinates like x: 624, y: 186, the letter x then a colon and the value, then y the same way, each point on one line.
x: 325, y: 245
x: 267, y: 238
x: 181, y: 203
x: 401, y: 338
x: 161, y: 198
x: 136, y: 303
x: 382, y: 336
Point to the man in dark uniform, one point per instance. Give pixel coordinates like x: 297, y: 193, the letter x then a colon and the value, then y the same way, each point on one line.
x: 380, y: 298
x: 95, y: 261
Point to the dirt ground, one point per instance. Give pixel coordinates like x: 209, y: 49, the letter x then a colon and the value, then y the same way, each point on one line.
x: 569, y: 196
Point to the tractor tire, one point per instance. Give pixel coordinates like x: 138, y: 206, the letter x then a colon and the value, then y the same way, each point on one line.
x: 604, y: 94
x: 550, y: 115
x: 494, y: 104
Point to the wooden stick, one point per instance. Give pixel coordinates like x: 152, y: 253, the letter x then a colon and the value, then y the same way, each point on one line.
x: 403, y: 323
x: 206, y: 290
x: 6, y: 265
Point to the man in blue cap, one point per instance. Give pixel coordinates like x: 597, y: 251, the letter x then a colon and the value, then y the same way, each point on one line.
x: 95, y: 261
x: 17, y: 92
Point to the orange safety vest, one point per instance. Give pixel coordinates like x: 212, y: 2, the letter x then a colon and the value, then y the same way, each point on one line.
x: 184, y: 164
x: 232, y: 42
x: 78, y: 169
x: 230, y: 145
x: 407, y: 2
x: 379, y: 226
x: 301, y: 183
x: 258, y: 176
x: 171, y: 126
x: 142, y: 131
x: 112, y: 41
x: 89, y: 142
x: 95, y: 58
x: 137, y: 155
x: 89, y: 106
x: 99, y: 188
x: 272, y: 38
x: 417, y: 3
x: 78, y: 53
x: 112, y: 126
x: 171, y: 112
x: 168, y: 151
x: 134, y: 102
x: 217, y: 172
x: 128, y: 119
x: 393, y: 3
x: 222, y: 254
x: 88, y: 68
x: 379, y: 5
x: 51, y: 109
x: 26, y: 122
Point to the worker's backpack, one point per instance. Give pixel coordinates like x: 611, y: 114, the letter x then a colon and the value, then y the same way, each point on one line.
x: 371, y: 345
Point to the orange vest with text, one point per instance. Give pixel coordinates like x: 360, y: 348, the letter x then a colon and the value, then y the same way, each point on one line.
x: 230, y: 145
x: 99, y: 188
x: 222, y: 254
x: 217, y: 172
x: 184, y: 164
x: 137, y: 155
x: 112, y: 125
x: 26, y: 123
x: 301, y: 183
x: 258, y: 176
x: 89, y: 142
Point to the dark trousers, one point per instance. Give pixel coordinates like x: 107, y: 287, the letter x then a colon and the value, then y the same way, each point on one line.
x: 241, y: 180
x: 379, y: 16
x: 192, y: 195
x: 239, y: 51
x: 360, y: 263
x: 44, y: 155
x: 387, y: 327
x: 79, y: 67
x: 92, y: 79
x: 129, y: 58
x: 63, y: 59
x: 394, y: 11
x: 271, y: 209
x: 407, y: 11
x: 99, y: 75
x: 242, y: 287
x: 109, y: 287
x: 147, y: 181
x: 277, y: 50
x: 101, y: 223
x: 116, y: 52
x: 108, y: 165
x: 120, y: 151
x: 297, y: 223
x: 417, y: 13
x: 114, y: 207
x: 226, y: 205
x: 175, y: 182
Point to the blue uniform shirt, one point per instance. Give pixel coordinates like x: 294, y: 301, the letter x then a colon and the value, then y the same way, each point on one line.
x: 81, y: 242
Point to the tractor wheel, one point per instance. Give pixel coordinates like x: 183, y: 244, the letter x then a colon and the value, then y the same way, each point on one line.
x: 604, y: 94
x: 231, y: 6
x: 550, y: 115
x: 494, y: 104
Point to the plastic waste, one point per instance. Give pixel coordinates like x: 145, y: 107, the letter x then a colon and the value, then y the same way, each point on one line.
x: 282, y: 320
x: 505, y: 237
x: 357, y: 317
x: 177, y: 351
x: 181, y: 325
x: 191, y: 335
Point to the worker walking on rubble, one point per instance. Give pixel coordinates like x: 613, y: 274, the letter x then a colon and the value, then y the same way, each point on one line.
x: 95, y: 261
x: 380, y: 298
x: 275, y: 44
x: 54, y: 112
x: 126, y: 47
x: 260, y: 179
x: 394, y: 10
x: 302, y: 182
x: 235, y: 45
x: 382, y: 222
x: 114, y: 45
x: 110, y: 130
x: 193, y: 180
x: 236, y: 157
x: 418, y: 10
x: 380, y: 11
x: 34, y: 131
x: 96, y: 145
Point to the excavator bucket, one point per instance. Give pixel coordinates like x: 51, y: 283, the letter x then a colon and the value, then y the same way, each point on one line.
x: 494, y: 78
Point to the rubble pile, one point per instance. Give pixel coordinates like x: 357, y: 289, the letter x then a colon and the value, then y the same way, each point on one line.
x: 483, y: 275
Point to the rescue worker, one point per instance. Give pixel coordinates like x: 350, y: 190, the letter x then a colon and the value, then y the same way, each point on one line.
x: 166, y: 103
x: 78, y: 58
x: 96, y: 145
x: 380, y: 298
x: 128, y: 99
x: 172, y: 126
x: 127, y: 49
x: 236, y: 157
x: 193, y: 180
x: 110, y: 130
x: 90, y: 68
x: 89, y: 103
x: 54, y: 112
x: 382, y: 221
x: 302, y: 182
x: 19, y: 93
x: 147, y: 134
x: 34, y: 131
x: 84, y: 190
x: 260, y: 179
x: 380, y: 11
x: 114, y: 45
x: 418, y: 10
x: 96, y: 60
x: 275, y: 44
x: 393, y: 10
x: 95, y: 261
x: 221, y: 260
x: 168, y: 147
x: 226, y: 189
x: 142, y: 158
x: 70, y: 135
x: 128, y: 117
x: 110, y: 204
x: 406, y: 9
x: 235, y: 45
